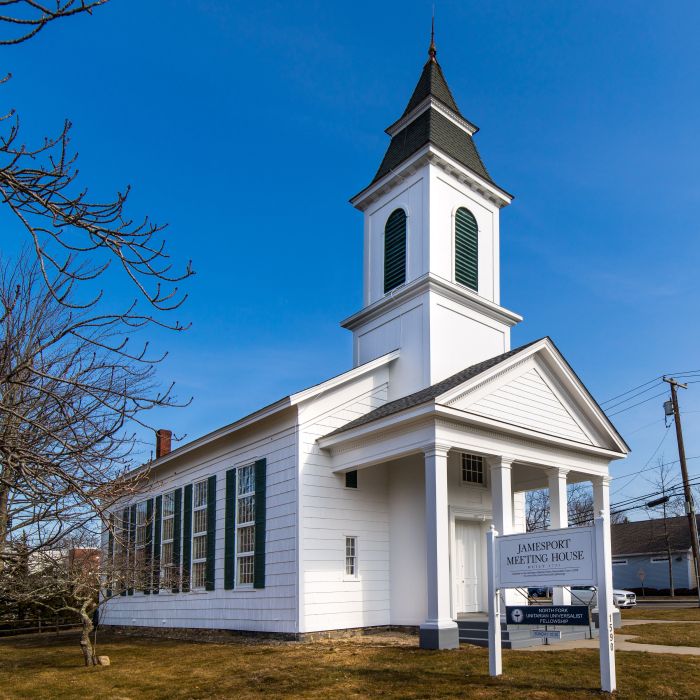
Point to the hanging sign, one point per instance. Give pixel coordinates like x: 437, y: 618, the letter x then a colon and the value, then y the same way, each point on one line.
x: 547, y: 558
x: 546, y: 634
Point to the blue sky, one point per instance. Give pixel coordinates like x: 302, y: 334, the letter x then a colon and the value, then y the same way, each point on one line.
x: 247, y: 126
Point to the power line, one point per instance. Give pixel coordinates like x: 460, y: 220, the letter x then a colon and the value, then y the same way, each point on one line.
x: 627, y: 408
x: 629, y: 391
x: 629, y: 398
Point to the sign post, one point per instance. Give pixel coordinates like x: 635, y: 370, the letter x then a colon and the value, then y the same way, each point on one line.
x: 495, y: 655
x: 566, y: 557
x: 606, y: 629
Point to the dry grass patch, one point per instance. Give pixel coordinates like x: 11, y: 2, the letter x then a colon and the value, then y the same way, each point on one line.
x: 390, y: 667
x: 680, y: 635
x: 680, y: 614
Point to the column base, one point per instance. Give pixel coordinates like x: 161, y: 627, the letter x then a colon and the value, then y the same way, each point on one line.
x: 439, y: 635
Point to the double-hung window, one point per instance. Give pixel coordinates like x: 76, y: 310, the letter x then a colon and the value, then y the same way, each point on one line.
x: 167, y: 544
x: 199, y: 534
x: 140, y: 573
x: 351, y: 557
x: 245, y: 525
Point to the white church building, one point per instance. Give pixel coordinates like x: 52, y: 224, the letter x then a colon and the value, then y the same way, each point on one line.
x: 364, y: 501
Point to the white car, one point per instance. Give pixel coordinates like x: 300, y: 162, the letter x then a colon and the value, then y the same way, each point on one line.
x: 588, y: 595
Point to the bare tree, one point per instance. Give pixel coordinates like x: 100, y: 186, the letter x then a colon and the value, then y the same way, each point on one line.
x: 73, y: 579
x: 76, y: 374
x: 580, y: 507
x: 28, y: 17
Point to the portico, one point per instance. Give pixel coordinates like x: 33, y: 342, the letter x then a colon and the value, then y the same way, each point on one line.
x: 467, y: 471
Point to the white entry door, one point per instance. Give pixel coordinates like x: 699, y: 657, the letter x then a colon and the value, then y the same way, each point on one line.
x: 468, y: 545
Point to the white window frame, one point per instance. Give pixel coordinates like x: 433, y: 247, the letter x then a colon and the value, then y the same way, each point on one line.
x: 248, y: 555
x: 355, y: 556
x: 660, y: 560
x: 619, y: 562
x: 140, y: 545
x: 473, y: 484
x: 167, y: 568
x: 199, y: 561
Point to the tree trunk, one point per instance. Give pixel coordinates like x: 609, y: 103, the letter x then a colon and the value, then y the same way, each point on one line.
x: 85, y: 644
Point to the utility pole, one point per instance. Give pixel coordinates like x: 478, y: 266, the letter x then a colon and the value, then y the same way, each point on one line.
x: 689, y: 506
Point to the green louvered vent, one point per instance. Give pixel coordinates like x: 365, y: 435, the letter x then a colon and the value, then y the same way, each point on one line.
x: 260, y: 522
x: 395, y: 250
x: 466, y: 249
x: 230, y: 531
x: 187, y: 538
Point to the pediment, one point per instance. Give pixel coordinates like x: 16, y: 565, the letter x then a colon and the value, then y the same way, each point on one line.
x: 537, y: 392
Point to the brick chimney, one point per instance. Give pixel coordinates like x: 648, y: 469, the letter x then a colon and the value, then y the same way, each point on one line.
x: 163, y: 439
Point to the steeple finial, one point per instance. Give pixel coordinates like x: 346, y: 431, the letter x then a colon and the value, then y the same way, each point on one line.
x: 432, y: 51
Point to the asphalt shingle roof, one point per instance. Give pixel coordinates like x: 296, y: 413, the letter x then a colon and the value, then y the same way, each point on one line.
x: 432, y: 82
x: 648, y: 537
x: 432, y: 127
x: 432, y: 392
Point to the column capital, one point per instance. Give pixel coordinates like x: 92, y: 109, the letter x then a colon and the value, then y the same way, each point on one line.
x: 438, y: 449
x: 500, y: 462
x: 557, y: 471
x: 602, y: 480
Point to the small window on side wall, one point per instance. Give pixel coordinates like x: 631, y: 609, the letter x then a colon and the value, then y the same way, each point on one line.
x: 351, y: 479
x: 351, y: 557
x: 472, y: 469
x: 466, y: 249
x: 395, y: 250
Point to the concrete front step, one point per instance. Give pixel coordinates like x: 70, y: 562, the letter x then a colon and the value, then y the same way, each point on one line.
x: 515, y: 636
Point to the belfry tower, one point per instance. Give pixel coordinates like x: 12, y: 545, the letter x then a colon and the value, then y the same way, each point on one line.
x: 431, y: 246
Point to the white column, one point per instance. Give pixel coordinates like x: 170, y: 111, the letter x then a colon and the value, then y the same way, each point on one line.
x: 559, y: 517
x: 502, y: 510
x: 439, y: 631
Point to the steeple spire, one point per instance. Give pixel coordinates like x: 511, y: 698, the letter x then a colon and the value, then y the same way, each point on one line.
x: 432, y: 51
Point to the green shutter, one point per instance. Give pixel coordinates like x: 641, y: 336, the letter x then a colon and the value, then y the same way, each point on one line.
x: 466, y: 249
x: 132, y: 548
x: 210, y: 568
x: 260, y: 520
x: 147, y: 573
x: 187, y: 538
x: 157, y: 525
x: 230, y: 532
x: 395, y: 250
x: 124, y: 548
x: 177, y: 530
x: 110, y: 553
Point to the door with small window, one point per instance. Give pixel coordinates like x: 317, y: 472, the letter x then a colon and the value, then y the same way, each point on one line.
x: 468, y: 566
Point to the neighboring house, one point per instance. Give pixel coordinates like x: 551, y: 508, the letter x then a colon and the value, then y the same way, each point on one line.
x: 364, y: 501
x: 640, y: 554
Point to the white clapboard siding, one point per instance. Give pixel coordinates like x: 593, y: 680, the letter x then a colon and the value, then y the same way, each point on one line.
x: 272, y: 609
x: 330, y: 512
x: 527, y: 401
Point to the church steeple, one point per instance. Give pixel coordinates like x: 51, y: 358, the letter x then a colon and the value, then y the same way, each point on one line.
x: 431, y: 263
x: 433, y: 117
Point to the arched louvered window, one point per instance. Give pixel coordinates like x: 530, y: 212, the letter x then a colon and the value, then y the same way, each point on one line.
x: 395, y: 250
x: 466, y: 249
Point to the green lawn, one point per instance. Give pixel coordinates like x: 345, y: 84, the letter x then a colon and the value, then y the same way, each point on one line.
x: 390, y: 667
x: 680, y: 614
x: 681, y: 635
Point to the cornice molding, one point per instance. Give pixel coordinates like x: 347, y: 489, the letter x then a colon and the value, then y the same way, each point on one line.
x: 431, y: 282
x: 431, y: 102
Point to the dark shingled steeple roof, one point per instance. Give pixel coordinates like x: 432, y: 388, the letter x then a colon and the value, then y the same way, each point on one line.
x: 432, y: 83
x: 433, y: 126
